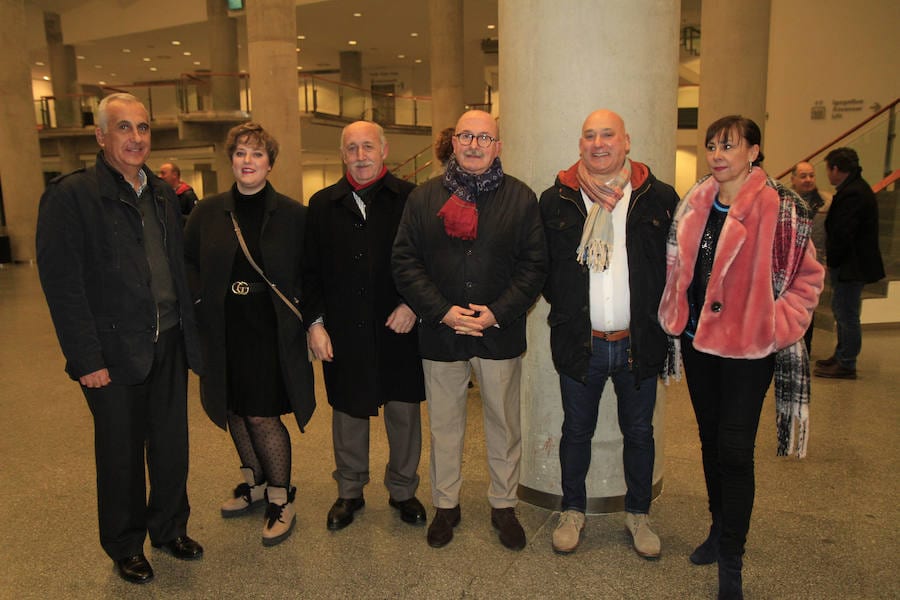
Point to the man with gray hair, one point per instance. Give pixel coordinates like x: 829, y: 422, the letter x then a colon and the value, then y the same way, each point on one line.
x: 110, y: 256
x: 361, y: 328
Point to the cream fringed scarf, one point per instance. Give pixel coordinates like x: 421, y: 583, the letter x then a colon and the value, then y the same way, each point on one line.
x: 595, y: 249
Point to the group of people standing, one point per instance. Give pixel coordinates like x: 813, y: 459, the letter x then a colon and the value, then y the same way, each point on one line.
x: 403, y: 292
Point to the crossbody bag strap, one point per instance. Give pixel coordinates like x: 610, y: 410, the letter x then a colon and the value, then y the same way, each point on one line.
x: 240, y: 237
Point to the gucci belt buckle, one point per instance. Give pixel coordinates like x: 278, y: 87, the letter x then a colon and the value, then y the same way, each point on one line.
x: 240, y: 288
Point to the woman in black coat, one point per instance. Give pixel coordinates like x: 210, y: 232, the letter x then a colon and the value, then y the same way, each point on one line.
x: 254, y: 344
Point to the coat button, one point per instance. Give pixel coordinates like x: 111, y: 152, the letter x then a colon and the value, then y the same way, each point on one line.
x: 469, y: 252
x: 716, y: 307
x: 469, y: 284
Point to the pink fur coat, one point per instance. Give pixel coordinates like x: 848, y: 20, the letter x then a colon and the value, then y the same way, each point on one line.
x: 740, y: 318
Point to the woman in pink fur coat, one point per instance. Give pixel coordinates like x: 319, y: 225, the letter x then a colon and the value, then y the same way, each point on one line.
x: 741, y: 285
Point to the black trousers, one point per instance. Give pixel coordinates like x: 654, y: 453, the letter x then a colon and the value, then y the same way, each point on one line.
x: 134, y: 423
x: 727, y: 395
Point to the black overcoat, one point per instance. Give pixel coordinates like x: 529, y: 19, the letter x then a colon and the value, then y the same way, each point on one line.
x: 349, y: 283
x: 210, y: 247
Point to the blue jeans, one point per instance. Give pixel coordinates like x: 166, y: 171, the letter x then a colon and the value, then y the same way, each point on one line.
x: 581, y: 405
x: 846, y: 304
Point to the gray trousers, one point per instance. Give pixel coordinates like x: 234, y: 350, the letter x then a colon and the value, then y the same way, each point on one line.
x: 446, y: 386
x: 403, y: 424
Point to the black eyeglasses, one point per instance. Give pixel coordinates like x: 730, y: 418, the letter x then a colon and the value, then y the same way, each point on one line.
x: 484, y: 140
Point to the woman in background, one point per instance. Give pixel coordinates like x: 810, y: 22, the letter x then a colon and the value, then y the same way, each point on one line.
x: 742, y: 282
x: 255, y: 352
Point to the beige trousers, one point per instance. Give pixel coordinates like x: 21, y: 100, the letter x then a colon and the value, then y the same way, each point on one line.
x: 446, y: 389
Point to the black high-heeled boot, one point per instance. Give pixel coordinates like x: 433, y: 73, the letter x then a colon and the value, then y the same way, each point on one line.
x: 730, y: 584
x: 708, y: 552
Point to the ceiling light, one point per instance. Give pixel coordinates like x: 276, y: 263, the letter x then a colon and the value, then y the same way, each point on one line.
x: 176, y: 43
x: 101, y: 82
x: 98, y: 66
x: 301, y: 37
x: 46, y: 78
x: 186, y: 53
x: 299, y: 68
x: 492, y: 27
x: 298, y: 49
x: 352, y: 42
x: 112, y: 74
x: 80, y: 57
x: 357, y: 14
x: 153, y: 69
x: 197, y: 62
x: 414, y: 34
x: 401, y: 56
x: 146, y: 59
x: 39, y: 63
x: 126, y: 50
x: 418, y: 60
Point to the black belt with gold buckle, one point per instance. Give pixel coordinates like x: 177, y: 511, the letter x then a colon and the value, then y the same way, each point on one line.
x: 242, y: 288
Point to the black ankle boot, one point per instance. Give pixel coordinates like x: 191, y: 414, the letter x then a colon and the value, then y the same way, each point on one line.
x: 708, y: 552
x: 730, y: 585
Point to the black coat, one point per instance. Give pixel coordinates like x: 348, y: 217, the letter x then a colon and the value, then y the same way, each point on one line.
x: 96, y: 277
x: 348, y: 282
x: 210, y: 247
x: 851, y: 232
x: 504, y: 268
x: 650, y: 209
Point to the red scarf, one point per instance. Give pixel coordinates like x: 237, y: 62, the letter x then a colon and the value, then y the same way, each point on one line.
x: 359, y: 186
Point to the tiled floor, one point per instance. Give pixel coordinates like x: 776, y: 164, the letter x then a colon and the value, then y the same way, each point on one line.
x: 824, y: 527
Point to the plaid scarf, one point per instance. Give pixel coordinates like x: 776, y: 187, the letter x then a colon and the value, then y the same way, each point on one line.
x: 792, y: 387
x: 597, y: 236
x: 459, y: 213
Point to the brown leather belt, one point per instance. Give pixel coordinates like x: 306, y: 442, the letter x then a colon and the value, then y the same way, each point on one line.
x: 610, y: 336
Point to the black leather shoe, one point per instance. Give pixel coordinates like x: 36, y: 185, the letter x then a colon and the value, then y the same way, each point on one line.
x: 183, y: 548
x: 411, y: 511
x: 440, y: 532
x: 134, y: 569
x: 341, y: 513
x: 507, y: 525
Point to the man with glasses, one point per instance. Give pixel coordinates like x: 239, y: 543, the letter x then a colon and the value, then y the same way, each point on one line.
x: 470, y: 259
x: 606, y: 219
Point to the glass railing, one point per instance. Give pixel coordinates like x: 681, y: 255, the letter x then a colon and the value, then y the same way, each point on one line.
x: 202, y: 94
x: 322, y: 96
x: 874, y: 140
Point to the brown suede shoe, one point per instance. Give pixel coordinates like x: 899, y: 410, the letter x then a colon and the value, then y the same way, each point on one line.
x: 440, y: 532
x: 835, y: 371
x: 507, y: 525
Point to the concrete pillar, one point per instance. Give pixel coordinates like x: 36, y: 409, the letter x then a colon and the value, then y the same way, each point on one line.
x: 20, y: 155
x: 223, y: 51
x: 272, y: 54
x: 734, y: 65
x: 355, y: 102
x: 63, y: 73
x: 445, y: 27
x: 546, y: 97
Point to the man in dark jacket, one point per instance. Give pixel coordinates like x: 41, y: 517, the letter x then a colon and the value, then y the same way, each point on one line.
x: 606, y: 220
x: 187, y: 198
x: 362, y: 329
x: 109, y: 250
x: 852, y: 255
x: 470, y: 258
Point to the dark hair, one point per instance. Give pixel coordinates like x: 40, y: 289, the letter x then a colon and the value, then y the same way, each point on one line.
x: 845, y: 159
x: 252, y: 134
x: 747, y: 129
x: 443, y: 145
